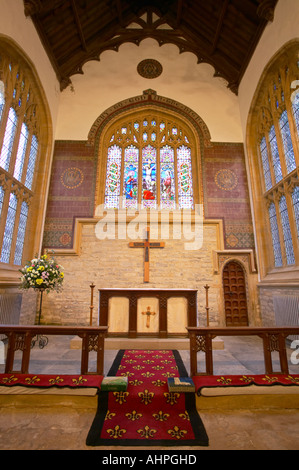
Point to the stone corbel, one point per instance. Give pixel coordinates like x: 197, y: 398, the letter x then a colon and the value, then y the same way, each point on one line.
x: 291, y: 184
x: 269, y: 199
x: 278, y: 193
x: 4, y: 182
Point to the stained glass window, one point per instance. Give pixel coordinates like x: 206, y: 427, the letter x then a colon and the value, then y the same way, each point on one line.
x: 149, y: 167
x: 286, y: 231
x: 10, y: 131
x: 295, y: 197
x: 9, y: 228
x: 185, y: 189
x: 21, y: 152
x: 112, y: 196
x: 275, y: 155
x: 168, y: 194
x: 266, y: 165
x: 149, y: 177
x: 21, y: 234
x: 131, y: 164
x: 275, y: 236
x: 287, y: 142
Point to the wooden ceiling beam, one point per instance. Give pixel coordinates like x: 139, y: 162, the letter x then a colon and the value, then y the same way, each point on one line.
x: 223, y: 33
x: 120, y: 12
x: 78, y: 24
x: 179, y: 13
x: 220, y: 24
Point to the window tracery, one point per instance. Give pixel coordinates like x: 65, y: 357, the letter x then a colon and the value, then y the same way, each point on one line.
x: 277, y: 138
x: 149, y: 164
x: 19, y: 150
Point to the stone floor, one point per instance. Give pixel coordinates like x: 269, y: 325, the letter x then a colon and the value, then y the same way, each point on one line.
x: 66, y: 428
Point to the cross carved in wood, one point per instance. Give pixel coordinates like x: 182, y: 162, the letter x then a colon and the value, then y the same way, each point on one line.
x: 147, y: 245
x: 148, y: 314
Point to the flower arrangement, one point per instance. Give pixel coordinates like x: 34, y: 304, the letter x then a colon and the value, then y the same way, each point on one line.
x: 43, y: 274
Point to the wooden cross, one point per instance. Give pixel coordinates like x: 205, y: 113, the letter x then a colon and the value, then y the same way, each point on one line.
x: 147, y: 245
x: 148, y: 313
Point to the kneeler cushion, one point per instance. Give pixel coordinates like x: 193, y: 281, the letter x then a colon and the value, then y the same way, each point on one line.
x: 246, y: 384
x: 50, y: 384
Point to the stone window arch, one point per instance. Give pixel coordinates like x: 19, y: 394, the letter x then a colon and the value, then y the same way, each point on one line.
x: 149, y: 128
x: 273, y: 150
x: 25, y: 146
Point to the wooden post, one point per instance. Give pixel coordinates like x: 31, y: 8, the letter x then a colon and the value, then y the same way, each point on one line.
x: 207, y: 305
x: 92, y: 286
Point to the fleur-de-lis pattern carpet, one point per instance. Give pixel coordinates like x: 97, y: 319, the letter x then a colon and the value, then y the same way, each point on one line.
x: 147, y: 414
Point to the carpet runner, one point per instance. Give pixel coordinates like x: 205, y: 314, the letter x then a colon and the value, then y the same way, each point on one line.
x: 147, y: 414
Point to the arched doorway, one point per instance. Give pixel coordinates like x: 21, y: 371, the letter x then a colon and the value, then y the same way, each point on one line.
x: 235, y: 296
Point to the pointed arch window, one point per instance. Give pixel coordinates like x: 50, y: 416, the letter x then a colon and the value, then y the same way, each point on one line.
x: 149, y: 165
x: 277, y: 134
x: 20, y: 117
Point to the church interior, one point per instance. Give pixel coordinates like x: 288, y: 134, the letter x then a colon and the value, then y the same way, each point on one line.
x: 149, y: 176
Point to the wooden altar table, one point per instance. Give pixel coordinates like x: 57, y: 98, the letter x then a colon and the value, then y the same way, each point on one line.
x: 160, y: 298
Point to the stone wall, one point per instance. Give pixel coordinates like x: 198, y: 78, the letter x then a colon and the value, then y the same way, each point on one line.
x: 113, y: 264
x: 110, y: 263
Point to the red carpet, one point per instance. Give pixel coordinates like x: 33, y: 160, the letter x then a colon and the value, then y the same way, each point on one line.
x: 147, y: 414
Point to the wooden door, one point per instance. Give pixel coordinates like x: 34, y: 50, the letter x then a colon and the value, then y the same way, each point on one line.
x: 235, y: 297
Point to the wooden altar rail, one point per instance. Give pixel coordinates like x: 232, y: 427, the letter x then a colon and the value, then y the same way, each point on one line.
x: 20, y: 338
x: 274, y: 339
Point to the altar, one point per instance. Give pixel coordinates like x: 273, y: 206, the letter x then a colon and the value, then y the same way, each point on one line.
x: 159, y: 313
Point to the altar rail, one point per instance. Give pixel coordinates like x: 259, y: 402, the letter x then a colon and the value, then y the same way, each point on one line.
x: 274, y: 339
x: 20, y: 338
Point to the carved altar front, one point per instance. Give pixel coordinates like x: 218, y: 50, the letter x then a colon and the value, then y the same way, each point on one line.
x: 147, y: 312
